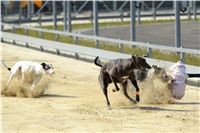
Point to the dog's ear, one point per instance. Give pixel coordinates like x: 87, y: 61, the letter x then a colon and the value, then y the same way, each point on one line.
x: 134, y: 56
x: 154, y: 66
x: 134, y: 60
x: 43, y: 65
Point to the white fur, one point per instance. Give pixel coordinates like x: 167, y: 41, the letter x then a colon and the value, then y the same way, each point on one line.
x: 30, y: 72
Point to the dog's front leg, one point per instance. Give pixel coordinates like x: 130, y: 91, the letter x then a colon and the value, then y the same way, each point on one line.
x: 116, y: 87
x: 134, y: 82
x: 37, y: 79
x: 124, y: 86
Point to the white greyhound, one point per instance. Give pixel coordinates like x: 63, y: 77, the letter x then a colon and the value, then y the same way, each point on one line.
x: 29, y: 71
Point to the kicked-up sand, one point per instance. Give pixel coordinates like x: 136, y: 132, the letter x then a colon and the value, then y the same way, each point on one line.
x: 74, y: 102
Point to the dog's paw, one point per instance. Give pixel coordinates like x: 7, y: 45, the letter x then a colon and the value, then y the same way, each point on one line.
x: 109, y: 108
x: 138, y: 98
x: 135, y: 102
x: 113, y: 90
x: 117, y: 89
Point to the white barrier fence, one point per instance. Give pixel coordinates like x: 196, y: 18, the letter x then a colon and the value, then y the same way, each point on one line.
x: 118, y: 42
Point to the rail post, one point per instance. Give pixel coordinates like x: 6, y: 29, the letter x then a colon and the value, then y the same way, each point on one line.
x: 2, y: 28
x: 149, y: 51
x: 58, y: 51
x: 76, y: 56
x: 76, y: 40
x: 121, y: 46
x: 13, y: 29
x: 41, y: 48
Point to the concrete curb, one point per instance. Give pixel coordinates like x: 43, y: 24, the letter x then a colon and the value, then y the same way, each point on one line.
x: 193, y: 82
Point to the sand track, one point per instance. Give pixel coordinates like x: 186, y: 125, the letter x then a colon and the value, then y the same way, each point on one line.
x: 75, y: 103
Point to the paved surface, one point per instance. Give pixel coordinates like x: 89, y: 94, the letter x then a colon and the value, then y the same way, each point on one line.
x: 161, y: 34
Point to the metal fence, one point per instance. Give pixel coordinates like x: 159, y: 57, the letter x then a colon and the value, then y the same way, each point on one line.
x: 176, y: 7
x: 119, y: 43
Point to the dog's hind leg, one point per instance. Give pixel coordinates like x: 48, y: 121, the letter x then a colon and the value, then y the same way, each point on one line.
x: 104, y: 86
x: 116, y: 87
x: 124, y: 86
x: 11, y: 77
x: 106, y: 95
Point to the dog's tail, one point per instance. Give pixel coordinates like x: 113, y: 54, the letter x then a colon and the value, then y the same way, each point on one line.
x: 4, y: 65
x: 96, y: 61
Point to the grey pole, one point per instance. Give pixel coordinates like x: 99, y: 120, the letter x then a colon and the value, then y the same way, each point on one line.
x: 154, y: 9
x: 69, y: 26
x: 74, y: 7
x: 65, y: 15
x: 55, y: 18
x: 40, y: 24
x: 178, y: 28
x: 29, y: 9
x: 40, y: 19
x: 20, y: 14
x: 32, y: 8
x: 132, y: 26
x: 189, y: 9
x: 194, y: 10
x: 6, y: 12
x: 54, y: 15
x: 177, y: 25
x: 138, y: 13
x: 95, y: 21
x: 122, y: 15
x: 114, y: 5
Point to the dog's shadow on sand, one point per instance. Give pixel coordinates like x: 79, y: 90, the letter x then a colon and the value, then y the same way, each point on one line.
x: 163, y: 109
x: 151, y: 108
x: 56, y: 96
x: 187, y: 103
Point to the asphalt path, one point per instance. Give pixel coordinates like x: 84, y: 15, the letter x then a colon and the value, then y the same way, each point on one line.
x: 161, y: 34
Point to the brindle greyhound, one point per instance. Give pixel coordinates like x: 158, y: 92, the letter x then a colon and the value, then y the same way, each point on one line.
x: 118, y: 71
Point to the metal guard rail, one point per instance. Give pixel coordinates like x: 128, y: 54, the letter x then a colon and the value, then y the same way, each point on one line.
x: 110, y: 40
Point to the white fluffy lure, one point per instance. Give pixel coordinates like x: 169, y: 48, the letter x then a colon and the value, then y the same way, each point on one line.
x: 178, y: 73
